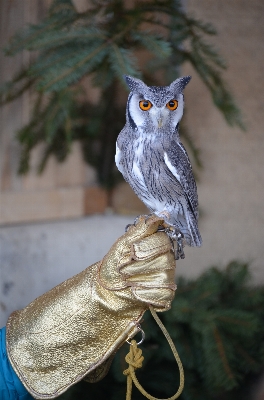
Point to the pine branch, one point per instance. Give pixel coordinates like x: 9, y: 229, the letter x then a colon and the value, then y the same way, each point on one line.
x: 154, y: 43
x: 122, y: 61
x: 75, y: 65
x: 103, y: 43
x: 28, y: 39
x: 11, y: 90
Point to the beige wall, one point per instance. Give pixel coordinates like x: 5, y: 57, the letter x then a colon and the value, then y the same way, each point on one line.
x: 231, y: 186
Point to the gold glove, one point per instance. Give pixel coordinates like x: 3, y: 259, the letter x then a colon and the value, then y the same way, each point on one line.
x: 72, y: 330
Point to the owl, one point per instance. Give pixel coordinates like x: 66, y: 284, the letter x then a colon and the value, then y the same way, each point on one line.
x: 152, y: 159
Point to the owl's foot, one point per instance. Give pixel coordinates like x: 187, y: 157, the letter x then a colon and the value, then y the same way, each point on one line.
x: 178, y: 237
x: 164, y: 214
x: 180, y: 246
x: 173, y: 233
x: 146, y: 216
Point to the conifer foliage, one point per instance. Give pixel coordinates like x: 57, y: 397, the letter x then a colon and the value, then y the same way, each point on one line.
x: 105, y: 42
x: 216, y: 323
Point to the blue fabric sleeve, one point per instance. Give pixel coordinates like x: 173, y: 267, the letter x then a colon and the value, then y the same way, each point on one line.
x: 11, y: 387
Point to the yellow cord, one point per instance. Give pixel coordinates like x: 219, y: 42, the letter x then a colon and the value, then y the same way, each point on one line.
x: 134, y: 359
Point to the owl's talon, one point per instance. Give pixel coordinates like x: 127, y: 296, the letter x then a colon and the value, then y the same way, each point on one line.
x: 164, y: 214
x: 177, y: 237
x: 174, y: 235
x: 128, y: 226
x: 146, y: 216
x: 137, y: 219
x: 180, y: 245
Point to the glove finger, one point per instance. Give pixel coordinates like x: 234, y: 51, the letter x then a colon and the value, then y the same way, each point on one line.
x: 160, y: 298
x: 151, y: 246
x: 144, y: 227
x: 156, y: 279
x: 160, y: 263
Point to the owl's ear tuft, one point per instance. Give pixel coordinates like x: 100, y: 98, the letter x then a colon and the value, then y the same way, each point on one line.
x: 134, y: 84
x: 180, y: 83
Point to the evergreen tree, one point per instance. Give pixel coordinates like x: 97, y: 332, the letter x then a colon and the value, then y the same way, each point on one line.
x: 104, y: 43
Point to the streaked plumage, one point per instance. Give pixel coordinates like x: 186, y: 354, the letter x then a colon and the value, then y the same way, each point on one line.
x: 152, y: 159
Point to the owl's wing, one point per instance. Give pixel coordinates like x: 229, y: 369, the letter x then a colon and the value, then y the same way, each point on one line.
x: 118, y: 159
x: 177, y: 160
x: 120, y: 143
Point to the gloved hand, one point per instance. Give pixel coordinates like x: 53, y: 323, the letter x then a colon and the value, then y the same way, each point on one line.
x: 70, y: 332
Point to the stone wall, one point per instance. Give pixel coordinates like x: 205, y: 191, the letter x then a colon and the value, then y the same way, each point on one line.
x: 36, y: 257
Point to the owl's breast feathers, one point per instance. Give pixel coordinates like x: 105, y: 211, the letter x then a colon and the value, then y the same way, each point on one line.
x: 141, y: 161
x: 160, y: 174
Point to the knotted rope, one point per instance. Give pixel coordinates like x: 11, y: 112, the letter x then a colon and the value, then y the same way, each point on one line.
x: 135, y: 359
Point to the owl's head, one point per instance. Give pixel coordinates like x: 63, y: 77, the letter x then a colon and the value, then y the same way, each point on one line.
x: 155, y: 108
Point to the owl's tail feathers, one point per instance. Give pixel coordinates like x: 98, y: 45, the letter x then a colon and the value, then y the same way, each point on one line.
x: 187, y: 225
x: 193, y: 236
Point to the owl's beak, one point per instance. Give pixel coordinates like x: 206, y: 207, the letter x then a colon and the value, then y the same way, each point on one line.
x: 159, y: 122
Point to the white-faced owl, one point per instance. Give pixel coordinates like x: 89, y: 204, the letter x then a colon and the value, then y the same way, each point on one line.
x: 152, y: 159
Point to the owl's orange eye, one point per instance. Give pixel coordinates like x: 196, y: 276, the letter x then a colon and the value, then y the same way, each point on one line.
x: 172, y: 105
x: 145, y: 105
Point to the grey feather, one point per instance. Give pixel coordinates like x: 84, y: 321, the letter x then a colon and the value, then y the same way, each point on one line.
x: 153, y: 160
